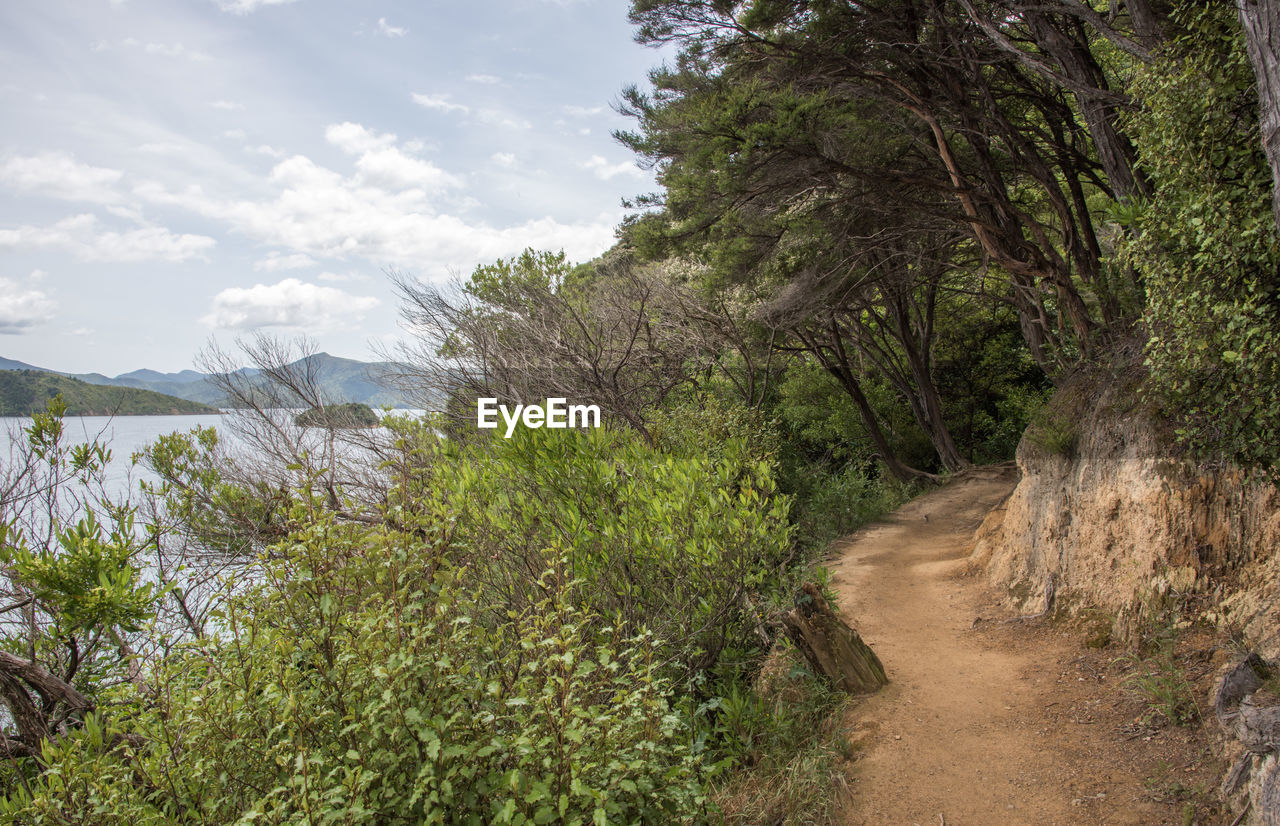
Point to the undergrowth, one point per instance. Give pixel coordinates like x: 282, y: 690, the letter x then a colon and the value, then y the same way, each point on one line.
x: 1158, y: 679
x: 834, y: 503
x: 787, y: 737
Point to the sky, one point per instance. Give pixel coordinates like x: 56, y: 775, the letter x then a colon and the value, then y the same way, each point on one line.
x: 192, y: 171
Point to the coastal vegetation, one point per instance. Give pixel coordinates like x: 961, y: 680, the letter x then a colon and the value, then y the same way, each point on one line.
x: 886, y: 234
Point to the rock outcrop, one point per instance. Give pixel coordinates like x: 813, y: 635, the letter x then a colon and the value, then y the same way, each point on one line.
x: 1129, y: 530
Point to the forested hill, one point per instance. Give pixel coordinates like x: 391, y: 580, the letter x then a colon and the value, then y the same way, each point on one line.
x: 28, y: 391
x: 370, y: 383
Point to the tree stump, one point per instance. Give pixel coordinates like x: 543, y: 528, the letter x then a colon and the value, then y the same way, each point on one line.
x: 1256, y: 726
x: 831, y: 647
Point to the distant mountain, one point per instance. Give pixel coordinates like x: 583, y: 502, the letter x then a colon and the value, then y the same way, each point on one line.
x: 343, y: 380
x: 144, y: 375
x: 88, y: 378
x: 23, y: 392
x: 10, y: 364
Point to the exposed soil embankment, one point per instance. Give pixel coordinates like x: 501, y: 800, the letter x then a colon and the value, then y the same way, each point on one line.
x: 1101, y: 507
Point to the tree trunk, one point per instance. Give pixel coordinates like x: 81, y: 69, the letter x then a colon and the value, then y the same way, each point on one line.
x: 835, y: 360
x: 1261, y: 21
x: 830, y: 646
x: 1146, y: 23
x: 851, y: 386
x: 917, y: 346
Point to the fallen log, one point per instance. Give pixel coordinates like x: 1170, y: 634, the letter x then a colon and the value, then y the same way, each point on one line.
x: 830, y: 646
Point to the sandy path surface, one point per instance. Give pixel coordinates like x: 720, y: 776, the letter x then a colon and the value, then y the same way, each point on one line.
x: 979, y: 726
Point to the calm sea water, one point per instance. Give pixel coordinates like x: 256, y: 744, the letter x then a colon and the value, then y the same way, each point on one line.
x: 124, y: 435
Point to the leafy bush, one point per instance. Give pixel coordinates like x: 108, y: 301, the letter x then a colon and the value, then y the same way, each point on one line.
x: 1054, y: 431
x: 786, y: 737
x: 831, y: 503
x: 673, y: 541
x: 360, y: 684
x: 518, y: 635
x: 1205, y: 243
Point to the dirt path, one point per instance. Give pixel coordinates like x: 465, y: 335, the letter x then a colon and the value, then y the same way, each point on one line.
x: 1002, y: 724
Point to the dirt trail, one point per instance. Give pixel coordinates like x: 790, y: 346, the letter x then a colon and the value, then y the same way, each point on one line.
x: 999, y: 724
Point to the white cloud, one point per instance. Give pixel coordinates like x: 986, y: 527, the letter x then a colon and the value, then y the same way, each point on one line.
x: 235, y: 134
x: 396, y: 170
x: 264, y: 149
x: 389, y: 30
x: 333, y: 277
x: 382, y: 163
x: 354, y: 139
x: 387, y: 208
x: 226, y: 105
x: 486, y: 79
x: 247, y: 6
x: 584, y: 111
x: 503, y: 159
x: 22, y: 306
x: 176, y: 50
x: 80, y: 236
x: 275, y: 261
x: 495, y: 117
x: 439, y: 102
x: 606, y: 171
x: 289, y: 303
x: 319, y: 213
x: 60, y: 175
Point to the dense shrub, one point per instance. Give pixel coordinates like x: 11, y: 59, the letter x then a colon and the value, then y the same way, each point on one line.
x: 528, y: 631
x: 358, y: 684
x: 1205, y: 243
x: 673, y: 540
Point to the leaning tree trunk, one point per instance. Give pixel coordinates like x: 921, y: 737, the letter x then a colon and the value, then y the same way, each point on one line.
x: 1261, y: 21
x: 831, y: 647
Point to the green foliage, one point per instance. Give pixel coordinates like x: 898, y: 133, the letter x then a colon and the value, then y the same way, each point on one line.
x: 832, y: 502
x: 719, y: 429
x: 1055, y: 431
x: 786, y: 736
x: 508, y: 284
x: 822, y: 423
x: 667, y: 540
x: 196, y: 496
x: 87, y: 581
x: 364, y: 681
x: 27, y: 392
x: 521, y: 638
x: 1205, y: 244
x: 990, y: 385
x: 71, y: 562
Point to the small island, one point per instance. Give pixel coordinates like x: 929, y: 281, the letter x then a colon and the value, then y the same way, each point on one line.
x: 339, y: 416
